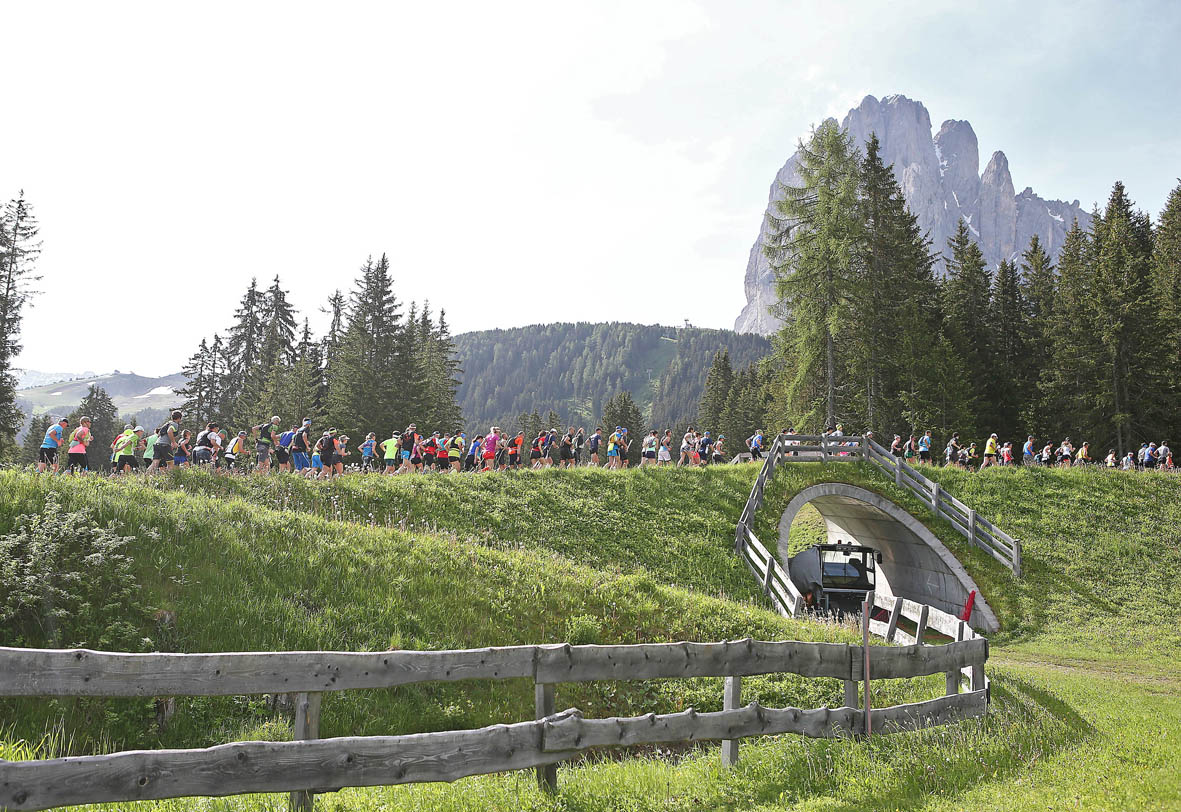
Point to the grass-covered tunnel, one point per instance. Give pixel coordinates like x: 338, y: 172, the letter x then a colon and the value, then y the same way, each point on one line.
x: 915, y: 564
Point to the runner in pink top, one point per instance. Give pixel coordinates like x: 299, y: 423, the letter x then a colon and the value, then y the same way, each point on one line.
x: 78, y: 442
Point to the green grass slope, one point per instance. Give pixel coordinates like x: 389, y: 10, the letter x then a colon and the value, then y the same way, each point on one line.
x: 238, y: 575
x: 1084, y: 716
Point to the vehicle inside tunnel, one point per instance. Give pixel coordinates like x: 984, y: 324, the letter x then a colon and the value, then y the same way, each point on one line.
x: 872, y: 543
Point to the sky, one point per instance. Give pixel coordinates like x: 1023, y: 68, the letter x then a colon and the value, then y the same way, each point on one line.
x: 518, y: 162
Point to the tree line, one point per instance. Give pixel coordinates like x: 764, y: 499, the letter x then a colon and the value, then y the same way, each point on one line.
x: 379, y: 366
x: 875, y: 338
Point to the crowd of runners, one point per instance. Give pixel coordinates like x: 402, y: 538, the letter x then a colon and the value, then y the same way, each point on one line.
x: 918, y: 449
x: 324, y: 454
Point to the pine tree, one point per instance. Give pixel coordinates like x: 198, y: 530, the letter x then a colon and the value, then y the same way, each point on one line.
x: 895, y: 309
x: 718, y: 383
x: 1011, y: 381
x: 1039, y: 283
x: 745, y: 411
x: 1166, y: 259
x: 303, y: 386
x: 814, y: 249
x: 1069, y: 381
x: 966, y: 293
x: 19, y: 249
x: 199, y: 393
x: 1126, y: 320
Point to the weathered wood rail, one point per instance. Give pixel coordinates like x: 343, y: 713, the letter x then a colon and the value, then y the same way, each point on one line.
x: 310, y: 764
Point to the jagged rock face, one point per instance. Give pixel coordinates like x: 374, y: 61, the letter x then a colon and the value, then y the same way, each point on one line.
x: 940, y: 178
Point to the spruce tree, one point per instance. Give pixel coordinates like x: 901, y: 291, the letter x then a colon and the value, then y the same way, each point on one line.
x: 718, y: 383
x: 19, y: 249
x: 1039, y: 283
x: 1166, y: 297
x: 814, y: 247
x: 1069, y: 380
x: 1127, y: 322
x: 895, y: 309
x: 1011, y: 380
x: 966, y: 294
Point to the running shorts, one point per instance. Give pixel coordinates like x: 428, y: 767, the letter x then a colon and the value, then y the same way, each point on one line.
x: 300, y: 458
x: 78, y: 460
x: 264, y: 452
x: 124, y: 460
x: 47, y: 456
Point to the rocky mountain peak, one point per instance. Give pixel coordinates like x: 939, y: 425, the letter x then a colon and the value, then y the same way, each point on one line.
x: 941, y: 180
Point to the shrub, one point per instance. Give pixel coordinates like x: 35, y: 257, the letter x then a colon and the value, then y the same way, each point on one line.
x: 65, y: 581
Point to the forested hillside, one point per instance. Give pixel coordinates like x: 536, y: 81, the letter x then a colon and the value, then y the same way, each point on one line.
x: 574, y: 369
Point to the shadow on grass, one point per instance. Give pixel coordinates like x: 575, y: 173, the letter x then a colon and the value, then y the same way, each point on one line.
x: 1025, y: 724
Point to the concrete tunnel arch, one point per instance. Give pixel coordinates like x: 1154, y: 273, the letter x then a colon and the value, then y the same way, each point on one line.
x: 915, y: 564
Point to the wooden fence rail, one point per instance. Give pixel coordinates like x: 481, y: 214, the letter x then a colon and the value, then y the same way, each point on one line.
x: 309, y: 764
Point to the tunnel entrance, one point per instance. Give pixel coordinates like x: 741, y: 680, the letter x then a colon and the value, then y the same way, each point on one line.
x: 914, y: 563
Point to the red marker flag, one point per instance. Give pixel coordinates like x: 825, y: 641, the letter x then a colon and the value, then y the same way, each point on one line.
x: 967, y: 614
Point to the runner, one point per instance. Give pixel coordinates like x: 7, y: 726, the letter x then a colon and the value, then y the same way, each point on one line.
x: 126, y: 445
x: 150, y: 448
x: 268, y: 438
x: 325, y: 450
x: 79, y: 441
x: 719, y: 453
x: 613, y: 444
x: 1027, y: 452
x: 55, y: 435
x: 566, y: 449
x: 516, y: 447
x: 455, y: 451
x: 167, y: 436
x: 648, y: 449
x: 389, y: 452
x: 536, y: 449
x: 664, y: 455
x: 579, y: 445
x: 283, y: 449
x: 705, y: 449
x: 951, y: 454
x: 368, y: 450
x: 180, y: 455
x: 925, y: 447
x: 203, y: 447
x: 342, y: 451
x: 301, y: 444
x: 236, y: 452
x: 754, y: 444
x: 593, y: 444
x: 896, y: 447
x: 490, y: 441
x: 990, y: 451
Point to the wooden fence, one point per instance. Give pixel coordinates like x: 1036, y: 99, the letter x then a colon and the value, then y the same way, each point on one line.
x: 310, y: 764
x: 975, y: 528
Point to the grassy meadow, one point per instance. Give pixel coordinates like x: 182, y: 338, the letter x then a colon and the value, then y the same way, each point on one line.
x: 1083, y: 672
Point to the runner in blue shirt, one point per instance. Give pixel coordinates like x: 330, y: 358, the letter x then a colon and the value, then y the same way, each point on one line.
x: 54, y: 436
x: 925, y: 447
x: 1027, y: 452
x: 368, y: 449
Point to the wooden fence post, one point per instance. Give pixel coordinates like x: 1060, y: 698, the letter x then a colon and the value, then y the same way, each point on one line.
x: 866, y: 611
x: 543, y: 706
x: 895, y: 613
x: 307, y: 726
x: 953, y: 677
x: 898, y: 472
x: 972, y: 527
x: 936, y: 498
x: 921, y: 628
x: 1017, y: 557
x: 731, y: 700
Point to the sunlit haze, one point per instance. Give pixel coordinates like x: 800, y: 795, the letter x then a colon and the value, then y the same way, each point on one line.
x: 519, y: 163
